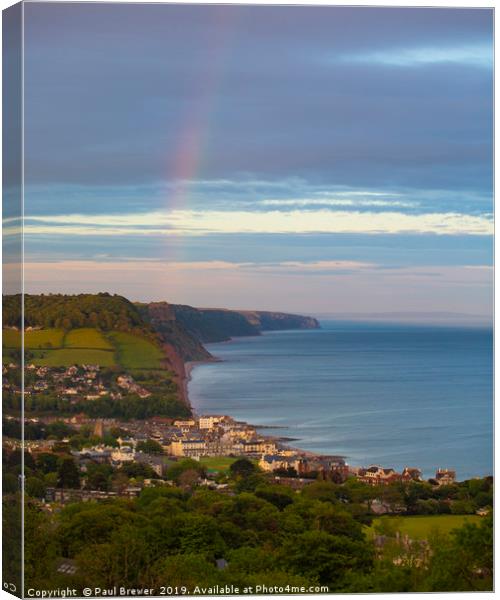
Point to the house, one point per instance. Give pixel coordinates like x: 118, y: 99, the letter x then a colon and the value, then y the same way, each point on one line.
x: 66, y: 566
x: 327, y: 466
x: 209, y: 421
x: 193, y: 447
x: 411, y: 474
x: 249, y: 447
x: 130, y: 441
x: 157, y: 463
x: 99, y: 454
x: 376, y: 475
x: 124, y: 454
x: 445, y: 476
x: 273, y: 462
x: 484, y: 511
x: 185, y: 426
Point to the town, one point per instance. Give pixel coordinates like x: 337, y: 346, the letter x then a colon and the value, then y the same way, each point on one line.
x: 157, y: 442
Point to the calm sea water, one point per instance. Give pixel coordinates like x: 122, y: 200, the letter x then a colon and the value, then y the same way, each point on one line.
x: 387, y: 394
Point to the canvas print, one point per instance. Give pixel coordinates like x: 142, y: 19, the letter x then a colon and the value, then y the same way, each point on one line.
x: 247, y: 299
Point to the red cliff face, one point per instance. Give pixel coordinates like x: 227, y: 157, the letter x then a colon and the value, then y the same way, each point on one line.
x: 176, y: 364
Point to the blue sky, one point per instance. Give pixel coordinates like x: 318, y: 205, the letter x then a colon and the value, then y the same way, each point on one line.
x: 322, y: 160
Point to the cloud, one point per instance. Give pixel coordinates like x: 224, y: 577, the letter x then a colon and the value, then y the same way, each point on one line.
x: 115, y: 99
x: 330, y: 286
x: 246, y: 193
x: 477, y: 55
x: 353, y: 202
x: 194, y: 222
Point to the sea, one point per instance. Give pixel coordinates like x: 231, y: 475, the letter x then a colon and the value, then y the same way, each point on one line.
x: 388, y: 394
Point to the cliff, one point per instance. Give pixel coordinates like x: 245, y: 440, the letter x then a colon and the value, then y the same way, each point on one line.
x: 163, y: 318
x: 213, y: 325
x: 276, y: 321
x: 218, y: 325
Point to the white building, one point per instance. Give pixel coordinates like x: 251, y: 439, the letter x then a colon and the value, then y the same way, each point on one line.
x: 209, y: 421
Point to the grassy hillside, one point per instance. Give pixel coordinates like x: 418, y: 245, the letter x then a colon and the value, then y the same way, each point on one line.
x: 95, y: 329
x: 87, y: 338
x: 55, y: 348
x: 43, y: 338
x: 135, y: 352
x: 65, y: 357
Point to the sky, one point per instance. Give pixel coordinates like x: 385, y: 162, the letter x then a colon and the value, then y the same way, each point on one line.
x: 322, y: 160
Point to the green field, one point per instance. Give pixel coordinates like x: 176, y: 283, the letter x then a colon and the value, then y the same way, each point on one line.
x: 217, y: 463
x: 55, y: 348
x: 134, y: 352
x: 65, y: 357
x: 39, y: 338
x: 420, y: 527
x: 11, y: 338
x: 87, y: 338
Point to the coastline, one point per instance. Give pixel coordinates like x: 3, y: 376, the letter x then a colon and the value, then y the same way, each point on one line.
x: 290, y: 444
x: 189, y: 366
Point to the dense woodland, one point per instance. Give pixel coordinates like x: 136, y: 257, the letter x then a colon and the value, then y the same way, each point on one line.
x: 104, y: 311
x: 267, y: 533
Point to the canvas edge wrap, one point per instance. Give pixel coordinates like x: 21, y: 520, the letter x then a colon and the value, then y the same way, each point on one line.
x: 12, y: 265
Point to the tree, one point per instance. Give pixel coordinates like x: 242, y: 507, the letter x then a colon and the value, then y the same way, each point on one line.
x: 133, y: 469
x: 35, y: 487
x: 98, y: 477
x: 188, y: 479
x: 184, y: 571
x: 10, y: 483
x: 150, y: 447
x: 187, y: 464
x: 68, y: 475
x: 327, y: 558
x: 242, y: 468
x: 464, y: 560
x: 278, y: 495
x: 119, y: 482
x: 47, y: 462
x: 41, y: 547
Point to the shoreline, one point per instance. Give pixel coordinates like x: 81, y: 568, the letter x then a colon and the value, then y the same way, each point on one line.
x: 189, y: 366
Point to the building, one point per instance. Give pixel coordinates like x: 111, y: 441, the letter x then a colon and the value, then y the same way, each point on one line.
x: 185, y: 426
x: 376, y: 475
x: 274, y: 462
x: 157, y: 463
x: 99, y: 428
x: 445, y: 476
x: 326, y: 466
x: 411, y: 474
x: 186, y: 446
x: 124, y: 454
x: 209, y: 421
